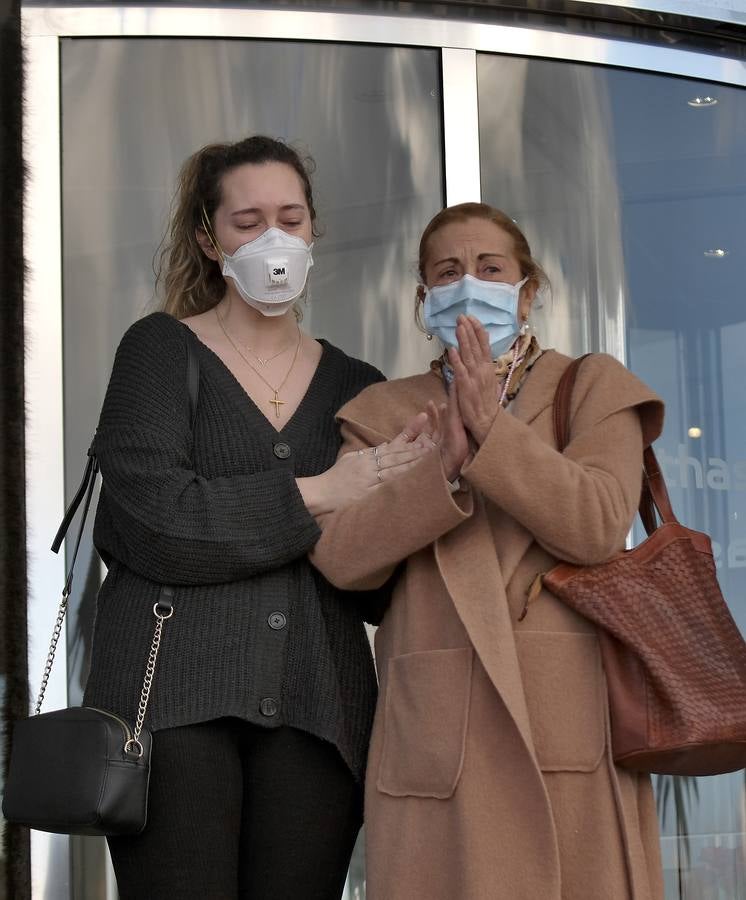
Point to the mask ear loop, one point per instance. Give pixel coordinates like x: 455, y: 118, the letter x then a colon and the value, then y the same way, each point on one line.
x: 525, y: 326
x: 211, y: 234
x: 420, y: 295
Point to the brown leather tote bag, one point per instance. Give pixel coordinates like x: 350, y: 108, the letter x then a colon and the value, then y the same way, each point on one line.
x: 674, y: 659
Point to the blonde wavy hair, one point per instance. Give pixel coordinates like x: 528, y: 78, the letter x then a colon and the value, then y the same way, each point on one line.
x: 188, y: 282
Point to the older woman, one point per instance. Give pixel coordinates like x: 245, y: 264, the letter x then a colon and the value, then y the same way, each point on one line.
x: 490, y: 772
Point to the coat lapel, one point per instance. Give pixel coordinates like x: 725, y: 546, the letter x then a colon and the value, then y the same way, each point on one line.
x: 475, y: 574
x: 511, y: 541
x: 471, y: 572
x: 537, y: 394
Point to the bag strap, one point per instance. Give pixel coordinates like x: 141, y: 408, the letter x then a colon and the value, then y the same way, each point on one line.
x: 654, y: 494
x: 192, y: 380
x: 85, y: 489
x: 162, y: 610
x: 562, y: 401
x: 656, y: 486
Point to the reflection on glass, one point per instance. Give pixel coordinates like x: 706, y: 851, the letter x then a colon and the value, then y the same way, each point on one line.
x: 634, y: 198
x: 133, y: 110
x: 548, y: 160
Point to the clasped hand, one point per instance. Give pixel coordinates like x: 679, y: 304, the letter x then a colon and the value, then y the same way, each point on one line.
x: 452, y: 428
x: 474, y: 378
x: 359, y: 471
x: 463, y: 423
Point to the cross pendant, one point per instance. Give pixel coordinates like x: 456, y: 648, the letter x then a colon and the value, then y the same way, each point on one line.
x: 277, y: 404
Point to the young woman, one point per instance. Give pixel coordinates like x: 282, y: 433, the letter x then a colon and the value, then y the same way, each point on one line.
x: 490, y: 775
x: 264, y: 690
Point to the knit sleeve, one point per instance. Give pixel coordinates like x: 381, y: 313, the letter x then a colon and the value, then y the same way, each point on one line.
x: 157, y: 515
x: 374, y: 602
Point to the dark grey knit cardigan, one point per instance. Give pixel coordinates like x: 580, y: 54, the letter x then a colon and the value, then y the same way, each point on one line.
x: 257, y: 632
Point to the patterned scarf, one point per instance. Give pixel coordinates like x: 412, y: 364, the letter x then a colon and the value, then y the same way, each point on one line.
x: 528, y: 352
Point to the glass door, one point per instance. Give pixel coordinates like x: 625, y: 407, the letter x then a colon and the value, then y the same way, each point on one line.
x: 632, y: 190
x: 132, y: 111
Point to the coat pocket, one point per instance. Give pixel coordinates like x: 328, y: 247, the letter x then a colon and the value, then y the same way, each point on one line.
x: 566, y: 697
x: 426, y: 710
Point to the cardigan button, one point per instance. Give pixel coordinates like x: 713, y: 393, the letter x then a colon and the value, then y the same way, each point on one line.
x: 277, y: 621
x: 268, y: 707
x: 281, y: 450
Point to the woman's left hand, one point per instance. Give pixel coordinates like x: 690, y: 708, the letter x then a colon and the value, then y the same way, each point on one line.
x: 474, y: 373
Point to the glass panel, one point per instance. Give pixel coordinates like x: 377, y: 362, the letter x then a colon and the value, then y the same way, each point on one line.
x: 133, y: 110
x: 633, y: 196
x: 682, y: 175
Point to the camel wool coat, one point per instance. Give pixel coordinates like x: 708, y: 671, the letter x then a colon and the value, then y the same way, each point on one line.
x: 489, y: 774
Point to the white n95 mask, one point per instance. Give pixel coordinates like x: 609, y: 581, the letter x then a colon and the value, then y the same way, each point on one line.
x: 270, y: 272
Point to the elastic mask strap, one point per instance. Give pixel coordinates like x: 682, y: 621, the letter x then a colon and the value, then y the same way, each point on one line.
x: 211, y: 234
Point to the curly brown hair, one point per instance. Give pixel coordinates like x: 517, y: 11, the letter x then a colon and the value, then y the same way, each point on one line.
x: 186, y: 280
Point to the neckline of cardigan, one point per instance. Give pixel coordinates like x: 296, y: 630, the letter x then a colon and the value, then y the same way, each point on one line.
x: 248, y: 404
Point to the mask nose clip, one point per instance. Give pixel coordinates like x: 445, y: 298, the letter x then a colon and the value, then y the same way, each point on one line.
x: 277, y: 271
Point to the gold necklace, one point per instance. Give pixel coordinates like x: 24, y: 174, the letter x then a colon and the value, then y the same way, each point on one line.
x: 264, y: 360
x: 277, y: 403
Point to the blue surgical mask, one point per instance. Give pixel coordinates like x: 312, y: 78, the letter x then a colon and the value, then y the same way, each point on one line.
x: 494, y: 303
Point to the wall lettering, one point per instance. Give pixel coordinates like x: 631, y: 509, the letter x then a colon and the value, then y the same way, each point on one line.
x: 685, y: 471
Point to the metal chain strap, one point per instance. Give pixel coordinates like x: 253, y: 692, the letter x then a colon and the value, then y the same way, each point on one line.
x: 133, y: 745
x: 84, y: 491
x: 52, y: 650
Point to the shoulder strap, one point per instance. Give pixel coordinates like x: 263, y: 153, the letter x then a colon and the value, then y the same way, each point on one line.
x: 85, y: 489
x: 192, y: 379
x: 162, y: 610
x: 654, y: 494
x: 562, y: 401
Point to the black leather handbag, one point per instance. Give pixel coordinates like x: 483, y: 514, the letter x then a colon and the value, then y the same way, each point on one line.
x: 83, y: 770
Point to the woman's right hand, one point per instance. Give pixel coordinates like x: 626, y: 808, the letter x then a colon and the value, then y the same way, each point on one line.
x: 448, y: 432
x: 359, y: 471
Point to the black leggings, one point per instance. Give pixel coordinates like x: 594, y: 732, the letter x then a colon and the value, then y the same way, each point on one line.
x: 240, y: 811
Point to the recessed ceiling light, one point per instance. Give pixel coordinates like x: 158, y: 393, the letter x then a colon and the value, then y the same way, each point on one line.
x: 695, y: 432
x: 716, y: 253
x: 701, y: 102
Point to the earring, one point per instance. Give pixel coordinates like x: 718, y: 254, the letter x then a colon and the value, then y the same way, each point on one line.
x: 428, y: 336
x: 525, y: 327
